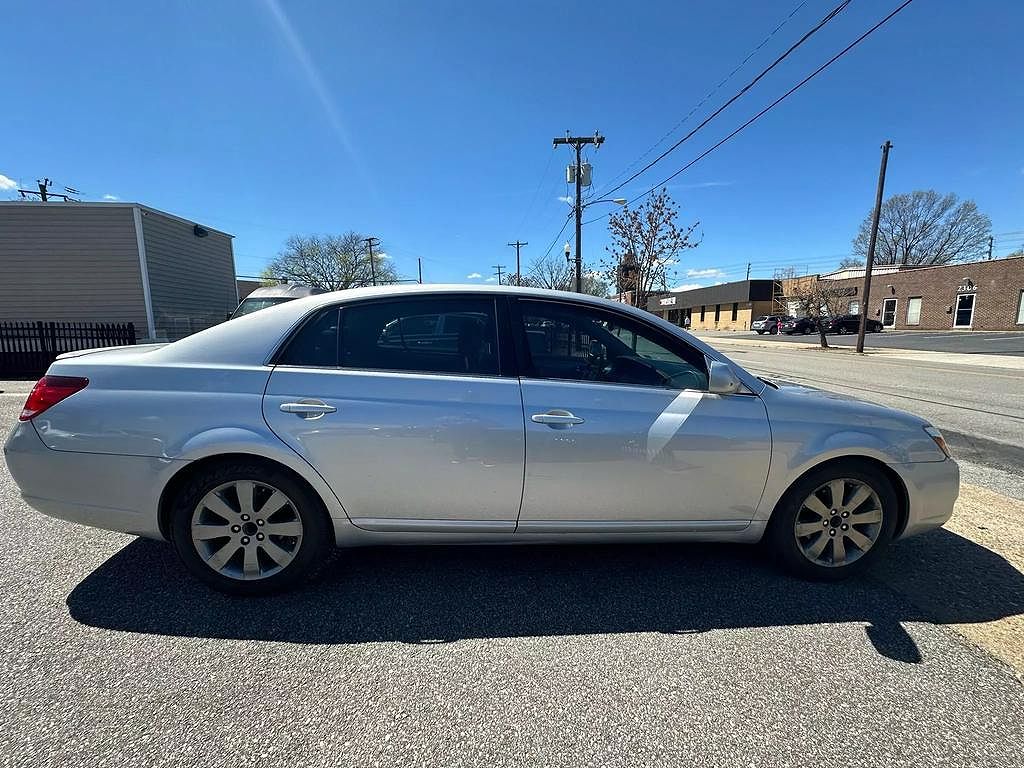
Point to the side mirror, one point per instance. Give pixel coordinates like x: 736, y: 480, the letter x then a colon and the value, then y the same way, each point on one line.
x: 721, y: 379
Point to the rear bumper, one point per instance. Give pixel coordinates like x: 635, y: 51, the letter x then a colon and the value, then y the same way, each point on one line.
x: 113, y: 492
x: 932, y: 488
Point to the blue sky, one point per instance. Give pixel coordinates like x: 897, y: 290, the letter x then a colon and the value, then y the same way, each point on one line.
x: 429, y: 125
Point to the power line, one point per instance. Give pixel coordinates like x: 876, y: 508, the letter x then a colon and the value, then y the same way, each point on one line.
x: 708, y: 95
x: 771, y: 106
x: 806, y: 36
x: 498, y: 267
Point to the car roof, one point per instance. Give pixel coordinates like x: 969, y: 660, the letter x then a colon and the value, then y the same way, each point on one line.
x: 251, y: 339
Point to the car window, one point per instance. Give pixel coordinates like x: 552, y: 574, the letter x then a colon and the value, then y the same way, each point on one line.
x: 433, y: 335
x: 250, y: 305
x: 576, y: 343
x: 316, y: 343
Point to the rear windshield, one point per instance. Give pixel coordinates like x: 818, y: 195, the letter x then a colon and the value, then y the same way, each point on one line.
x: 255, y: 304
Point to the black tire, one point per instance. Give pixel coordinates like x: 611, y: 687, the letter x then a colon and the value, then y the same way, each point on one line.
x: 780, y: 536
x: 807, y: 330
x: 314, y: 549
x: 759, y: 333
x: 842, y: 330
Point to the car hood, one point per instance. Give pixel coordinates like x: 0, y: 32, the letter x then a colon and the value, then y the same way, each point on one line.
x: 840, y: 407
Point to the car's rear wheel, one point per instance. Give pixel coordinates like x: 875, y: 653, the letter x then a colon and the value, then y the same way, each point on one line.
x: 835, y: 521
x: 807, y: 330
x: 249, y: 529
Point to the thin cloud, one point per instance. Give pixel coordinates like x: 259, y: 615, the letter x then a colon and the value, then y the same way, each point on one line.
x: 687, y: 287
x: 703, y: 185
x: 491, y: 280
x: 702, y: 273
x: 111, y: 197
x: 566, y: 199
x: 7, y: 183
x: 314, y: 78
x: 473, y: 276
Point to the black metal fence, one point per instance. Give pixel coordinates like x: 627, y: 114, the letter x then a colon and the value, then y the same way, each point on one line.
x: 28, y: 348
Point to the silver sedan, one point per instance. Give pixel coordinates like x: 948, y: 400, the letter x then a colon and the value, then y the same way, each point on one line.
x: 434, y: 414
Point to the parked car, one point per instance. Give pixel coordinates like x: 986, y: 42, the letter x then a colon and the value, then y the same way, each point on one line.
x: 519, y: 415
x: 799, y: 325
x: 768, y: 323
x: 271, y: 296
x: 851, y: 324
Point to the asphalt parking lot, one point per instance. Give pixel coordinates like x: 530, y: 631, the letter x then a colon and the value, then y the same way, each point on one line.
x: 964, y: 342
x: 604, y: 656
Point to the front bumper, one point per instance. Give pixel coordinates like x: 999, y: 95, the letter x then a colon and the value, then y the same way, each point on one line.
x: 932, y: 488
x: 113, y: 492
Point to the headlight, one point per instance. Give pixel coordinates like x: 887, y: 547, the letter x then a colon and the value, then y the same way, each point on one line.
x: 940, y: 441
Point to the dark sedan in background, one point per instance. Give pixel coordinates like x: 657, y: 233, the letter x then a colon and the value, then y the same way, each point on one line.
x: 800, y: 325
x: 850, y: 324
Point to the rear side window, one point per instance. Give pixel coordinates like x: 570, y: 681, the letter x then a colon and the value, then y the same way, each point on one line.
x: 451, y: 334
x: 316, y: 343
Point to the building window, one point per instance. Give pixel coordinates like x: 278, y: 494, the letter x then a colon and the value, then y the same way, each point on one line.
x: 702, y: 313
x: 1020, y: 309
x: 718, y: 312
x: 853, y: 308
x: 735, y: 311
x: 914, y: 310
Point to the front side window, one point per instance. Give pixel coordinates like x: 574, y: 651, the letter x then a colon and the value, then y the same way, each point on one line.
x: 450, y: 334
x: 576, y: 343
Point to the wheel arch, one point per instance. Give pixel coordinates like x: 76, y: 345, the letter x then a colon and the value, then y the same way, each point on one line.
x: 902, y: 495
x: 180, y: 479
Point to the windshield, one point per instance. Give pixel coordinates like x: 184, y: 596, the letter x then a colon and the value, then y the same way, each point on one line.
x: 255, y: 304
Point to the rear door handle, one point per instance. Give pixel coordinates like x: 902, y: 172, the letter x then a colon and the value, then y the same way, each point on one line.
x: 308, y: 409
x: 556, y: 418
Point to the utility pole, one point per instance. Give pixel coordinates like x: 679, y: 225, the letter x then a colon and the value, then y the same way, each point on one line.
x: 519, y: 275
x: 370, y: 242
x: 990, y: 241
x: 578, y: 142
x: 498, y: 267
x: 419, y: 269
x: 870, y: 263
x: 748, y: 270
x: 42, y: 188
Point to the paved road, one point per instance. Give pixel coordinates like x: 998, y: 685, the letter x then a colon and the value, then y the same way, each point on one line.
x: 603, y: 656
x: 971, y: 342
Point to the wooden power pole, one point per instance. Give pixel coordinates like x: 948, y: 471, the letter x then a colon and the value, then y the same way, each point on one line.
x: 578, y: 142
x: 519, y: 275
x: 870, y: 263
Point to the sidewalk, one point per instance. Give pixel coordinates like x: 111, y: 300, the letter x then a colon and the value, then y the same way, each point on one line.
x: 949, y: 358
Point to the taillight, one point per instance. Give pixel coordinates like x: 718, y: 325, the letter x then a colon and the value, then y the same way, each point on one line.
x: 49, y: 391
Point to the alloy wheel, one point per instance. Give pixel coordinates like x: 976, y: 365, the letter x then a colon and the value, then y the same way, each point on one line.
x: 839, y: 522
x: 246, y: 530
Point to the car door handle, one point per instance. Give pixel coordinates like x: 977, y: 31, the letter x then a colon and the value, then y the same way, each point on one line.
x: 308, y: 409
x: 556, y: 418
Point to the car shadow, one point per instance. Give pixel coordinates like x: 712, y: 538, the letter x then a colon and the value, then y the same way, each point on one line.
x: 443, y: 594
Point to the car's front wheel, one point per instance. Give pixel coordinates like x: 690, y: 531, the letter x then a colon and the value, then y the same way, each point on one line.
x: 249, y: 529
x: 835, y: 521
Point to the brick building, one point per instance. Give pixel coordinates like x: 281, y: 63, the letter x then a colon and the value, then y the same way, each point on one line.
x: 977, y: 295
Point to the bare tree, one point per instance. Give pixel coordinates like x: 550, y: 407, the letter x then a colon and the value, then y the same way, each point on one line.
x: 820, y: 301
x: 331, y: 262
x: 554, y: 272
x: 925, y: 228
x: 646, y: 246
x: 851, y: 262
